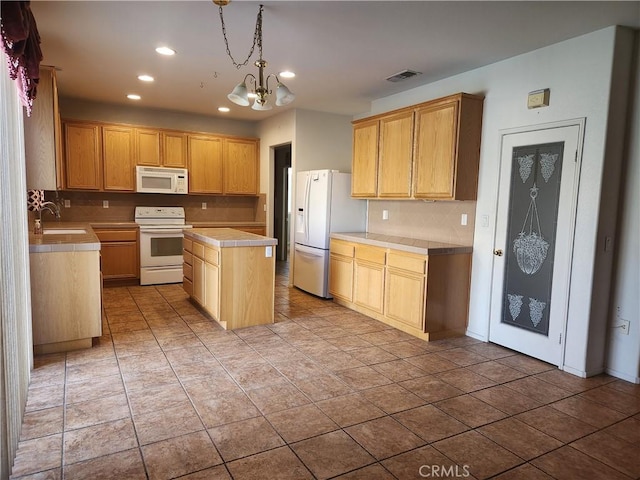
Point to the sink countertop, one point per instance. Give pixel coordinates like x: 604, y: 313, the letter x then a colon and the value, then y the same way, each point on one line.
x: 406, y: 244
x: 228, y: 237
x: 72, y: 242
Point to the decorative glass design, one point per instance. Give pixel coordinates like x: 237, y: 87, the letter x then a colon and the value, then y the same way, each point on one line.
x: 533, y: 213
x: 526, y: 163
x: 515, y: 305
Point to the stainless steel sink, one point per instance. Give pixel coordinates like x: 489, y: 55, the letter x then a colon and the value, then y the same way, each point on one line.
x: 64, y: 231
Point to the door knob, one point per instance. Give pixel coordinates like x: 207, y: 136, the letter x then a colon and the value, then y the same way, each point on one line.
x: 498, y: 253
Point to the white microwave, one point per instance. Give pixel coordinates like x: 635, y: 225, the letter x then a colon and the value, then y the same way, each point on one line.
x: 162, y: 180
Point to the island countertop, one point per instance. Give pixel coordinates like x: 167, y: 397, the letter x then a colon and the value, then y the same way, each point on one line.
x: 228, y: 237
x: 412, y: 245
x: 64, y: 242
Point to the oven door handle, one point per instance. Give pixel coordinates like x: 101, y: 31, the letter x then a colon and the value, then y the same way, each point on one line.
x: 168, y: 230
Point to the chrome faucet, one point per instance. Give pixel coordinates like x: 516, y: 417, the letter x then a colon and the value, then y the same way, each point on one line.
x: 53, y: 208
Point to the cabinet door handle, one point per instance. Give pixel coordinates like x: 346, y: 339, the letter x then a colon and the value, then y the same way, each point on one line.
x: 497, y: 253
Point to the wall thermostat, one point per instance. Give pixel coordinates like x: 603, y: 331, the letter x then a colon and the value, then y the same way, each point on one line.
x: 538, y: 98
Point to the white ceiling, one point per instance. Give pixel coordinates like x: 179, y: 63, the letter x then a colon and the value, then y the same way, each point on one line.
x: 341, y: 51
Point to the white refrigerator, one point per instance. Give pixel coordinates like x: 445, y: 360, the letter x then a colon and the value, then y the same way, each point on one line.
x: 323, y: 205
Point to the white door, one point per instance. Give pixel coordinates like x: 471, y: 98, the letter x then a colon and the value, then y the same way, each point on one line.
x: 533, y: 248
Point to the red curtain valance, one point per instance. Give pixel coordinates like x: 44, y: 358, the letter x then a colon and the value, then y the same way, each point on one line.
x: 21, y: 44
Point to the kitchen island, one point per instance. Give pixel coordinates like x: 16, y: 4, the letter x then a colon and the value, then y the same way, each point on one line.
x: 66, y: 287
x: 231, y: 275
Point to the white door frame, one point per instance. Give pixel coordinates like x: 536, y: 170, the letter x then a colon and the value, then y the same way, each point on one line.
x: 580, y: 123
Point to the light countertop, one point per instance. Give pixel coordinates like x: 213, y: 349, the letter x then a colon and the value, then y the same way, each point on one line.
x: 61, y: 242
x: 406, y: 244
x: 228, y: 237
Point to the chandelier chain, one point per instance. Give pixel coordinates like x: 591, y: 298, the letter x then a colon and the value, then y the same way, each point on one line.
x: 257, y: 39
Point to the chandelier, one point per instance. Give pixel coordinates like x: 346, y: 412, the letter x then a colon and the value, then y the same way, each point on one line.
x: 259, y: 86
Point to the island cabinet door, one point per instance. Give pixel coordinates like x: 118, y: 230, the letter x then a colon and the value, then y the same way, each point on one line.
x: 199, y: 280
x: 212, y: 282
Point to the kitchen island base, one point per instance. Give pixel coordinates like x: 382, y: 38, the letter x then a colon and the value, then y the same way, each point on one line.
x: 230, y: 274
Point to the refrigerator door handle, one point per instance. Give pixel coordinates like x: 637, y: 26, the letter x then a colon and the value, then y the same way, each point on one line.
x: 306, y: 208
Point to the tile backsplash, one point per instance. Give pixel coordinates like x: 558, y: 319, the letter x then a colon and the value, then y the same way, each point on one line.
x: 88, y: 206
x: 428, y: 220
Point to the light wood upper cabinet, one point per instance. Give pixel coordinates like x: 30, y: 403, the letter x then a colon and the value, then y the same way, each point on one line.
x: 240, y: 166
x: 42, y: 136
x: 158, y: 148
x: 447, y: 149
x: 394, y: 163
x: 101, y: 156
x: 174, y: 149
x: 83, y: 160
x: 147, y: 147
x: 118, y: 159
x: 205, y: 164
x: 364, y: 167
x: 430, y: 150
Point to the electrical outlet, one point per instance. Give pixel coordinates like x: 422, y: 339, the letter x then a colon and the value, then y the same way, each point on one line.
x: 624, y: 326
x: 204, y: 205
x: 105, y: 203
x: 463, y: 219
x: 265, y: 207
x: 67, y: 204
x: 485, y: 221
x: 385, y: 214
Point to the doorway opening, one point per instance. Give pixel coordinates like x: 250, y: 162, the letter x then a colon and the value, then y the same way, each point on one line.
x: 282, y: 201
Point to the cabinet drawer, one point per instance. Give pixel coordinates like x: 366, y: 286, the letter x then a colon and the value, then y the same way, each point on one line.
x: 187, y: 244
x: 370, y: 254
x: 187, y: 257
x: 211, y: 256
x: 341, y: 248
x: 187, y: 271
x: 198, y: 250
x: 403, y: 261
x: 117, y: 235
x: 187, y: 285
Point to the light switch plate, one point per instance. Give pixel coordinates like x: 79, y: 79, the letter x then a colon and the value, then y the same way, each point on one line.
x: 67, y: 204
x: 105, y: 203
x: 204, y: 205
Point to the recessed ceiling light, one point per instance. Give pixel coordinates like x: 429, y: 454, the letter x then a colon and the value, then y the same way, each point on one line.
x: 224, y: 109
x: 165, y: 51
x: 146, y: 78
x: 133, y: 96
x: 287, y: 74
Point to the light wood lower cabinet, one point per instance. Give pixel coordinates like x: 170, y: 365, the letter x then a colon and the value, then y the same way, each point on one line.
x: 424, y: 295
x: 341, y: 278
x: 119, y: 253
x: 368, y: 284
x: 65, y: 300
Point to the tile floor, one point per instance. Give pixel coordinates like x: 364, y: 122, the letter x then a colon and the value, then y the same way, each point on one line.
x: 322, y: 393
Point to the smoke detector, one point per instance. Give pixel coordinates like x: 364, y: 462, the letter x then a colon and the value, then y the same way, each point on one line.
x: 403, y: 75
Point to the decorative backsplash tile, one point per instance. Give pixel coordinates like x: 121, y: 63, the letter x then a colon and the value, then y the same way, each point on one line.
x: 88, y: 206
x: 437, y: 221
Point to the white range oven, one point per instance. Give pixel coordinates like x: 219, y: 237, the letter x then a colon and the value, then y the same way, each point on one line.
x: 161, y: 233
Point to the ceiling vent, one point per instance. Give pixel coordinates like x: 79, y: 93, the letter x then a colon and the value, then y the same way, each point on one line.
x: 403, y: 75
